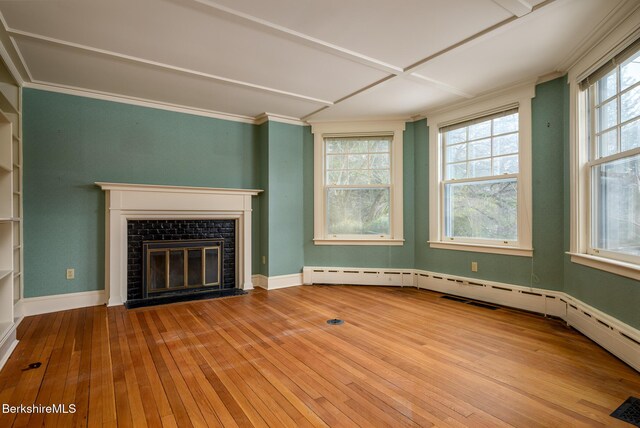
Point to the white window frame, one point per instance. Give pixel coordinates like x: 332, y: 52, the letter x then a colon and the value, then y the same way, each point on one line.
x: 355, y: 129
x: 519, y: 97
x: 580, y: 188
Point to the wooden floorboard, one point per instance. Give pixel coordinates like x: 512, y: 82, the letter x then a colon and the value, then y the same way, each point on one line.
x: 403, y: 357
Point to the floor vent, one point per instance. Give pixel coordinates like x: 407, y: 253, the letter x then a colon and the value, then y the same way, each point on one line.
x: 629, y: 411
x: 457, y: 299
x: 471, y: 302
x: 335, y: 321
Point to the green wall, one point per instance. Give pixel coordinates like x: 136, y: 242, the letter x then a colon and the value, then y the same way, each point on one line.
x: 545, y: 268
x: 615, y: 295
x: 71, y: 142
x: 358, y: 255
x: 282, y: 220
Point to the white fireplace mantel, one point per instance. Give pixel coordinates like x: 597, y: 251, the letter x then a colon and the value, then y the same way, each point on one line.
x: 149, y: 202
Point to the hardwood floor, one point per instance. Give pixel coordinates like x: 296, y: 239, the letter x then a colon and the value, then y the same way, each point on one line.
x: 403, y: 357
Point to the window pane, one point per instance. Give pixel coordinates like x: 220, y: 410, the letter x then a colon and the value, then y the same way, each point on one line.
x: 505, y: 145
x: 455, y: 136
x: 358, y: 211
x: 377, y: 146
x: 480, y: 168
x: 505, y: 165
x: 631, y: 135
x: 630, y: 104
x: 357, y: 161
x: 456, y: 153
x: 336, y: 161
x: 630, y: 71
x: 380, y: 176
x: 480, y: 149
x: 608, y: 143
x: 457, y: 171
x: 358, y: 177
x: 337, y: 177
x: 502, y: 125
x: 486, y: 210
x: 607, y: 115
x: 480, y: 130
x: 617, y: 206
x: 336, y: 146
x: 380, y: 161
x: 607, y: 86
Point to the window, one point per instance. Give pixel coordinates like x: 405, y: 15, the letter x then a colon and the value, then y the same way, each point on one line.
x: 609, y: 167
x: 358, y: 184
x: 480, y: 181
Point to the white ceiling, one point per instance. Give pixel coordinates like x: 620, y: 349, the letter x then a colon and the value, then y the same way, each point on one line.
x: 304, y: 59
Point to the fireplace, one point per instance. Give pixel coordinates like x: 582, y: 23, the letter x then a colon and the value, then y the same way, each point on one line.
x: 181, y: 266
x: 175, y: 259
x: 159, y: 217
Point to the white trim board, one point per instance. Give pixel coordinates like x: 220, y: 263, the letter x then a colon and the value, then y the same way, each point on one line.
x: 7, y: 344
x: 276, y: 282
x: 59, y: 302
x: 620, y: 339
x: 149, y: 103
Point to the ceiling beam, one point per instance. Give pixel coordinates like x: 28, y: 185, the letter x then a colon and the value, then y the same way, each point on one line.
x: 516, y: 7
x: 156, y: 64
x: 309, y: 40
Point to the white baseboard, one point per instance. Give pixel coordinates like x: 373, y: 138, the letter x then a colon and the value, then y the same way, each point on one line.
x: 59, y: 302
x: 620, y: 339
x: 7, y: 344
x: 276, y: 282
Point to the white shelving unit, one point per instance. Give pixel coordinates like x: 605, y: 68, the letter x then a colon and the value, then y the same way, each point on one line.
x: 11, y: 248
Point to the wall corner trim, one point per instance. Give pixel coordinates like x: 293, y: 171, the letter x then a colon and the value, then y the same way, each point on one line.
x: 276, y: 282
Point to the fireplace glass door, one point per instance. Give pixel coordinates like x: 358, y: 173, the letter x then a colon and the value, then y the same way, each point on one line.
x: 182, y: 265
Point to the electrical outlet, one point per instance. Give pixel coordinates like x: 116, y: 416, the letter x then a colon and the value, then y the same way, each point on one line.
x: 71, y: 273
x: 264, y: 260
x: 474, y: 266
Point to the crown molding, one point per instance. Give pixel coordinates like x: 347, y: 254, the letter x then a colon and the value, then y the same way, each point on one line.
x: 525, y: 88
x: 615, y: 19
x: 272, y: 117
x: 550, y: 76
x: 106, y: 96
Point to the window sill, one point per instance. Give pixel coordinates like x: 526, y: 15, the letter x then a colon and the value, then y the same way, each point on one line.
x: 482, y: 248
x: 391, y: 242
x: 629, y: 270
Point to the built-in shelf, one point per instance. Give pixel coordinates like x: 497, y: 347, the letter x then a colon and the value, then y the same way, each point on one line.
x: 11, y: 281
x: 5, y: 327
